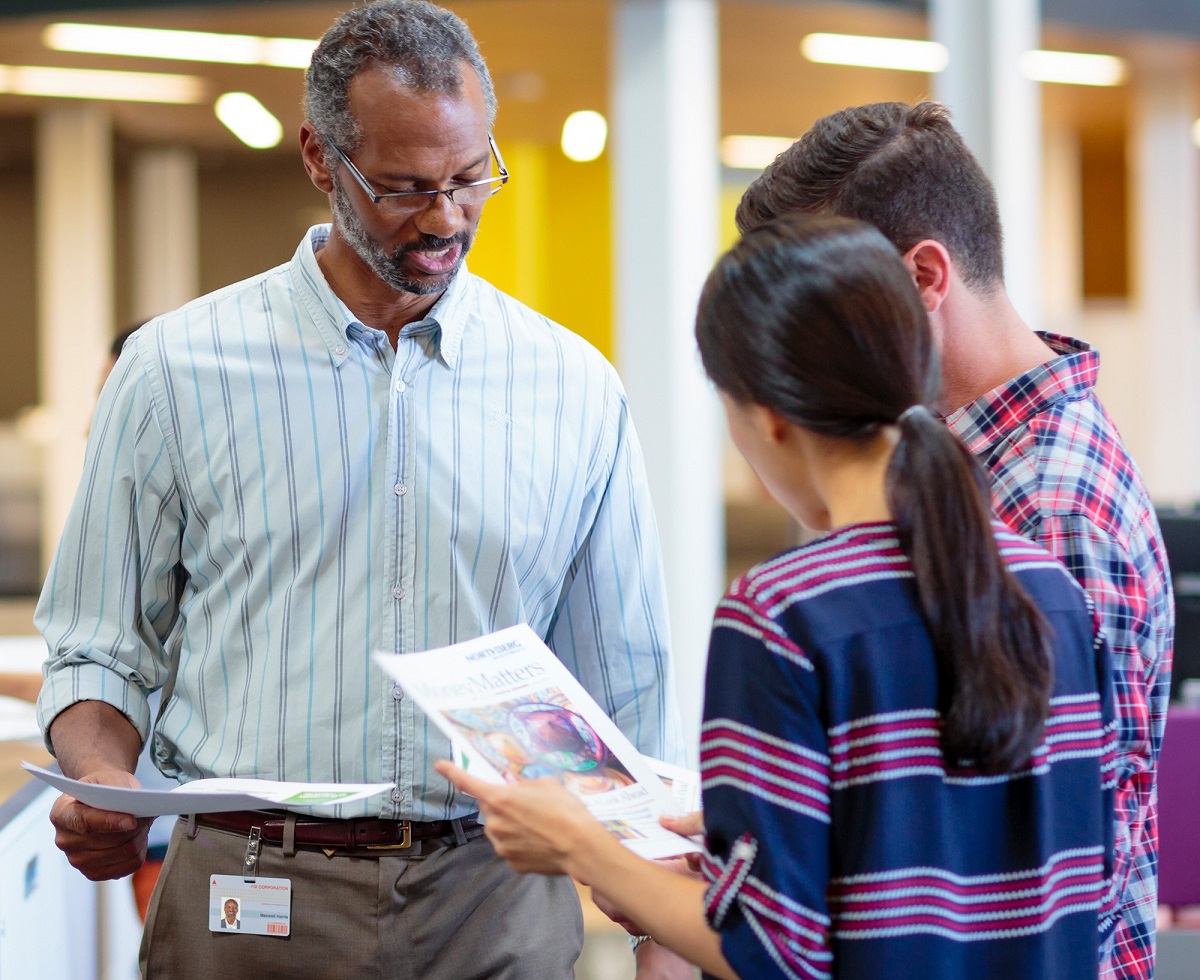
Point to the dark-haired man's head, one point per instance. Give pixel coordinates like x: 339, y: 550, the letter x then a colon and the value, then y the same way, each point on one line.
x: 904, y: 169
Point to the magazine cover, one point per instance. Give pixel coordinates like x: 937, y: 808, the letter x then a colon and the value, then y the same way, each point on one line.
x: 512, y: 711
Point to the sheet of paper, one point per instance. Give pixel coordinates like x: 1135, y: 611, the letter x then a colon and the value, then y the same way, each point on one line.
x: 209, y: 795
x: 684, y: 784
x: 514, y: 712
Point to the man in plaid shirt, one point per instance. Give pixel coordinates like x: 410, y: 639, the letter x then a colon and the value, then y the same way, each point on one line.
x: 1024, y: 403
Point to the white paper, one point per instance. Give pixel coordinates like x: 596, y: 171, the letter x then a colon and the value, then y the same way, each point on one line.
x: 512, y: 711
x: 684, y: 784
x: 209, y: 795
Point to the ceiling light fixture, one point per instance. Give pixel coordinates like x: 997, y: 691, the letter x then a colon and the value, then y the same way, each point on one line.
x: 84, y: 83
x: 584, y: 134
x: 752, y: 152
x: 1072, y: 68
x: 249, y: 120
x: 150, y: 42
x: 875, y: 52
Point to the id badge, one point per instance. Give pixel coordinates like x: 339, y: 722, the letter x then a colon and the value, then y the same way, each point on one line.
x: 250, y: 906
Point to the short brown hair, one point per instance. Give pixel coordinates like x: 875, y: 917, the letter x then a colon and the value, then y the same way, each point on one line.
x: 903, y: 168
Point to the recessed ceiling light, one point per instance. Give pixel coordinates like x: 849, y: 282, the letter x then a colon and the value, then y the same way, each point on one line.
x: 85, y: 83
x: 875, y: 52
x: 752, y: 152
x: 150, y: 42
x: 583, y: 135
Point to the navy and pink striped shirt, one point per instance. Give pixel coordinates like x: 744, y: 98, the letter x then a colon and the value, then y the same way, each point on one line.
x: 840, y: 843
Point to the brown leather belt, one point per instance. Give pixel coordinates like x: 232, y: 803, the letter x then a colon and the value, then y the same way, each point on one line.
x: 360, y: 833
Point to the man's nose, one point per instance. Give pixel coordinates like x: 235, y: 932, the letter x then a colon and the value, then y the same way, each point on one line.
x: 442, y: 219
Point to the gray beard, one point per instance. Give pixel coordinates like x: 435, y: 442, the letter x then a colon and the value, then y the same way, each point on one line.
x: 388, y: 267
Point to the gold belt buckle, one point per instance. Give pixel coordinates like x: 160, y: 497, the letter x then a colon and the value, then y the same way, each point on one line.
x: 405, y: 839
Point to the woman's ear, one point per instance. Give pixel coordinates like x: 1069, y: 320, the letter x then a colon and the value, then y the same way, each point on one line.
x: 930, y: 265
x: 770, y: 424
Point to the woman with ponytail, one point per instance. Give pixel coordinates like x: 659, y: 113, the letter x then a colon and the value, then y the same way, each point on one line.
x: 907, y: 749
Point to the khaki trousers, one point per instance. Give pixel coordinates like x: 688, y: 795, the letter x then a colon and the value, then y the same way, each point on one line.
x: 451, y: 913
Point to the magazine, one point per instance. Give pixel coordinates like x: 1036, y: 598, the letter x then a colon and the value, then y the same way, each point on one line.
x: 512, y: 711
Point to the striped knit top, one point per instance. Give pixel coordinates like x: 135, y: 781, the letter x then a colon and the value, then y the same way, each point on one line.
x: 840, y: 843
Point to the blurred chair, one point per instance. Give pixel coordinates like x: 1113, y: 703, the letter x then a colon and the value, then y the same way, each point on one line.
x: 1179, y: 809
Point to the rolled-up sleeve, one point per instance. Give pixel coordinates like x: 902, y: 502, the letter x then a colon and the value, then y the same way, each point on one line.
x: 110, y: 601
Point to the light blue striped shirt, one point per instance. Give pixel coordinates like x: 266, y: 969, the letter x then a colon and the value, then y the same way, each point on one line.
x: 271, y: 493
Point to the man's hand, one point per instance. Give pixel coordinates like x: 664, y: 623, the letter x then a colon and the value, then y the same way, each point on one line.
x: 95, y: 743
x: 655, y: 962
x: 99, y: 843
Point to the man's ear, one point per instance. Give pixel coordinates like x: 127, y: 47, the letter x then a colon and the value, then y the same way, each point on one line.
x: 312, y: 152
x: 930, y: 265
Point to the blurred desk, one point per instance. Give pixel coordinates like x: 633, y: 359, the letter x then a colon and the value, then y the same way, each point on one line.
x: 12, y: 776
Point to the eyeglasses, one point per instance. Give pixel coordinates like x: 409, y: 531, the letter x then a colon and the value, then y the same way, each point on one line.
x: 410, y: 202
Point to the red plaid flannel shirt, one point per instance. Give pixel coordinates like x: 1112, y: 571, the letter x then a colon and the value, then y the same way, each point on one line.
x: 1061, y: 476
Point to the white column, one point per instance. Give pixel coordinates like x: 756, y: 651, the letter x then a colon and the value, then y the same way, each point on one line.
x: 666, y: 189
x: 166, y: 264
x: 998, y: 111
x: 1166, y: 206
x: 75, y: 291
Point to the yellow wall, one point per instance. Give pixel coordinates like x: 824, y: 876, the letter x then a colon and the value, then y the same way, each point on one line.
x: 545, y: 239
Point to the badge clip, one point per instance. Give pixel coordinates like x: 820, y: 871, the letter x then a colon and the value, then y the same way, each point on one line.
x: 250, y: 864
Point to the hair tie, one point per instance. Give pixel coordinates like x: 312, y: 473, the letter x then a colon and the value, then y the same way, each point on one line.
x: 917, y: 409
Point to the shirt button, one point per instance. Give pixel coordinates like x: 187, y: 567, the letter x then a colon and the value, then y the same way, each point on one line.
x: 401, y: 386
x: 340, y: 350
x: 397, y: 692
x: 397, y: 796
x: 401, y: 489
x: 399, y: 592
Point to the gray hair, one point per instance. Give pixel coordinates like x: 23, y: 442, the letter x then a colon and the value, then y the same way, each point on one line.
x: 425, y: 45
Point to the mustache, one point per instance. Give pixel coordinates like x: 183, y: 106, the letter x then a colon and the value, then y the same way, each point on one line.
x: 432, y: 243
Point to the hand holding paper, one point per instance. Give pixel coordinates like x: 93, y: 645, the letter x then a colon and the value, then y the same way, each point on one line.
x: 516, y: 714
x: 535, y: 826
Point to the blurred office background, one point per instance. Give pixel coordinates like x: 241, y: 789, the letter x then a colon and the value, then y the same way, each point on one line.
x: 631, y: 127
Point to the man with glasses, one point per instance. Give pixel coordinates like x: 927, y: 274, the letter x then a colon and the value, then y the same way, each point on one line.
x: 366, y: 448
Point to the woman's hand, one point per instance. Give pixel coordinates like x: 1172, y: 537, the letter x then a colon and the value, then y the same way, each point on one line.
x: 536, y: 826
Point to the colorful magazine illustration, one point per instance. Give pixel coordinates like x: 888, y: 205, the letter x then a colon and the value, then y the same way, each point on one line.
x: 512, y: 711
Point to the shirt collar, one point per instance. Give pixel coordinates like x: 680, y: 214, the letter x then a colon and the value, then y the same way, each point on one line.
x: 446, y: 322
x: 992, y: 417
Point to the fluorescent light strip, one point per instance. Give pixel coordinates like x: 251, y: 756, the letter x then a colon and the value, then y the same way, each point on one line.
x: 875, y: 52
x: 249, y: 120
x: 752, y: 152
x: 84, y: 83
x: 1070, y: 68
x: 148, y: 42
x: 1196, y: 132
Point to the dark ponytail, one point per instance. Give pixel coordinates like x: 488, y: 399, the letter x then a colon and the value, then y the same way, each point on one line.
x: 992, y: 642
x: 817, y: 319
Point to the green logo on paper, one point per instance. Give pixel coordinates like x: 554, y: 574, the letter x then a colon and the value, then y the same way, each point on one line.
x: 313, y: 797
